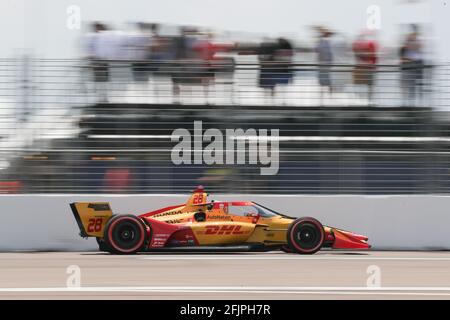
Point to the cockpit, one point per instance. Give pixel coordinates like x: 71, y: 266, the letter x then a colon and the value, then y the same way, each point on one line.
x: 249, y: 209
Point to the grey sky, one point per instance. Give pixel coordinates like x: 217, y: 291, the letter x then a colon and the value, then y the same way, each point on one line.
x: 41, y: 24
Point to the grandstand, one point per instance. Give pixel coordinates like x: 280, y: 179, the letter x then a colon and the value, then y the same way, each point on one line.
x: 59, y: 134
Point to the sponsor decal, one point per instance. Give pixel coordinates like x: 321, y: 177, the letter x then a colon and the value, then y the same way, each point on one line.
x: 219, y: 217
x: 173, y: 221
x: 225, y: 230
x: 168, y: 213
x: 160, y: 239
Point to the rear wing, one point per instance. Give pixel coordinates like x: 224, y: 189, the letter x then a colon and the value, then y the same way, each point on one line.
x: 91, y: 217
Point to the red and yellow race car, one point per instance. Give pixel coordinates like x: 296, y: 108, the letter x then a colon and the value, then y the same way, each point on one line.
x: 215, y: 224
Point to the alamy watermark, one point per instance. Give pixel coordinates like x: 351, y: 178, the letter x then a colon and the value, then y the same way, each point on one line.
x: 237, y: 146
x: 73, y: 281
x: 73, y: 21
x: 373, y: 21
x: 374, y: 278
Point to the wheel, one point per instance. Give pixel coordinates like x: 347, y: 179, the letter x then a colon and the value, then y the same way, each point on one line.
x: 125, y: 234
x: 102, y: 246
x: 286, y: 249
x: 305, y: 235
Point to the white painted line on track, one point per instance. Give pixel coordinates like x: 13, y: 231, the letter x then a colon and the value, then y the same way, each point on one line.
x: 284, y: 257
x: 418, y: 291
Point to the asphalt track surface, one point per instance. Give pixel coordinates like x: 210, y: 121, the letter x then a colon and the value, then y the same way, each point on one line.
x: 274, y: 275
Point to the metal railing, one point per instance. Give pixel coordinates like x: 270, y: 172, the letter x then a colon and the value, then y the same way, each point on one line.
x: 79, y: 126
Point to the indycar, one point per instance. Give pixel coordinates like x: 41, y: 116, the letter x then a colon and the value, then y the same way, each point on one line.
x: 202, y: 224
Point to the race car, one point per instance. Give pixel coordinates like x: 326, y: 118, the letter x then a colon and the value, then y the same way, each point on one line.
x: 201, y: 224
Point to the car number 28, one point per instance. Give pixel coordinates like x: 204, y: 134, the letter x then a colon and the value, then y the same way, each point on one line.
x: 95, y: 225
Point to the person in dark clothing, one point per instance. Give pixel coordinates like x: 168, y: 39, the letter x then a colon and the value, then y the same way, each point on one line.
x: 188, y: 68
x: 275, y: 60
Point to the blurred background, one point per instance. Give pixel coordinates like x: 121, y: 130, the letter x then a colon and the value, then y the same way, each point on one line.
x: 90, y: 93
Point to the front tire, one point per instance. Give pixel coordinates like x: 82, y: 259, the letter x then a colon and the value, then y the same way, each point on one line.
x: 305, y: 235
x: 125, y: 234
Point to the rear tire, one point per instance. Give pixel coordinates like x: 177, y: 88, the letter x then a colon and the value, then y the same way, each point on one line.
x: 102, y: 246
x: 305, y: 235
x: 125, y: 234
x: 286, y: 249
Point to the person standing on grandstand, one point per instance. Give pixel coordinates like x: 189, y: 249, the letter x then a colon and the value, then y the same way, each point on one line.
x: 412, y: 67
x: 206, y: 51
x: 275, y: 60
x: 161, y: 54
x: 365, y: 49
x: 138, y: 46
x: 212, y: 63
x: 99, y: 50
x: 196, y: 57
x: 325, y: 60
x: 188, y: 67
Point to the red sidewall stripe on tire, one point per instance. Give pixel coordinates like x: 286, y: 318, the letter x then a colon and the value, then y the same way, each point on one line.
x: 297, y: 246
x: 141, y: 241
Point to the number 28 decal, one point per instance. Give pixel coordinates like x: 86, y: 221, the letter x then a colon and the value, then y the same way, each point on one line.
x: 95, y: 225
x: 198, y: 198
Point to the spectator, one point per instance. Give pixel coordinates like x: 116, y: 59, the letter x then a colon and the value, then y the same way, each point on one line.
x: 325, y: 60
x: 160, y: 50
x: 187, y: 61
x: 162, y: 56
x: 365, y: 49
x: 211, y: 63
x: 275, y: 64
x: 206, y: 52
x: 342, y: 55
x: 139, y: 45
x: 412, y: 66
x: 99, y: 50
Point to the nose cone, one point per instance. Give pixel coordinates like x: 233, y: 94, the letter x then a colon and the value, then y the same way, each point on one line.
x: 349, y: 240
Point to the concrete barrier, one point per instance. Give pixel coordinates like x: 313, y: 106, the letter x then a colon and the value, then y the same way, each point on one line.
x: 45, y: 222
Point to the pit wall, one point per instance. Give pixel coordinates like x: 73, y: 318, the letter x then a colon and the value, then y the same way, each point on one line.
x: 45, y: 222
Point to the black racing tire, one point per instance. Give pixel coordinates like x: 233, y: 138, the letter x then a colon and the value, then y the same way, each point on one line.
x: 125, y: 234
x: 102, y: 246
x: 286, y: 249
x: 305, y: 235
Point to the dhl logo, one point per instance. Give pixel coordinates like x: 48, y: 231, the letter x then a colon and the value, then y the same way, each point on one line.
x: 226, y: 229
